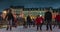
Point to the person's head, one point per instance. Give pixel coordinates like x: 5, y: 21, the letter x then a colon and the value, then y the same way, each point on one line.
x: 40, y: 15
x: 47, y: 10
x: 28, y: 15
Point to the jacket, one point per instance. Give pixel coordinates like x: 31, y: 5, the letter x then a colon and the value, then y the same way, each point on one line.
x: 57, y: 17
x: 39, y: 20
x: 9, y: 16
x: 48, y: 16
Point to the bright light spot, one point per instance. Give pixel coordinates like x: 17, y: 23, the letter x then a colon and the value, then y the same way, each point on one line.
x: 4, y: 12
x: 40, y: 15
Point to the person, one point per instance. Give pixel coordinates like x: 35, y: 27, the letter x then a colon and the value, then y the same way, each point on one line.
x: 20, y: 20
x: 33, y: 22
x: 55, y: 22
x: 58, y: 19
x: 24, y: 23
x: 29, y: 21
x: 9, y: 17
x: 39, y: 21
x: 48, y: 19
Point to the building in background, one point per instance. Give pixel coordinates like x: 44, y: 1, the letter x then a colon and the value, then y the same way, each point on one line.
x: 20, y: 11
x: 17, y: 10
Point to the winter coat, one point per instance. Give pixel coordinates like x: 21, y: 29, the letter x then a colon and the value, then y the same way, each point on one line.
x: 9, y: 16
x: 48, y: 16
x: 57, y: 17
x: 39, y: 20
x: 28, y: 19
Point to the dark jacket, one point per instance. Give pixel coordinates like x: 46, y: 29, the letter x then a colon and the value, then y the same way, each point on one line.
x: 48, y: 16
x: 9, y: 16
x: 28, y: 19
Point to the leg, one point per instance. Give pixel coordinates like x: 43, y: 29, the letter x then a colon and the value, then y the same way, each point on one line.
x: 10, y: 27
x: 7, y: 27
x: 11, y: 24
x: 37, y: 26
x: 41, y: 26
x: 59, y: 25
x: 50, y: 27
x: 54, y: 24
x: 24, y: 24
x: 29, y: 24
x: 47, y: 26
x: 33, y: 24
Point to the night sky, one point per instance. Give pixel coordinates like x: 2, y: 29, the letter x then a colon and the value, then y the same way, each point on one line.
x: 29, y: 3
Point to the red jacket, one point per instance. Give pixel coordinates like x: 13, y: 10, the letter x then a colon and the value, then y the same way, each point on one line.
x: 39, y: 20
x: 57, y: 17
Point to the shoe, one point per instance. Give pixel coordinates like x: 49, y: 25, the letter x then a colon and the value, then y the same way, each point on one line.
x: 10, y: 29
x: 50, y: 29
x: 7, y: 29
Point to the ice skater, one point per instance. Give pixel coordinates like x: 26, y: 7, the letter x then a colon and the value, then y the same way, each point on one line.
x: 48, y: 19
x: 9, y: 18
x: 39, y: 21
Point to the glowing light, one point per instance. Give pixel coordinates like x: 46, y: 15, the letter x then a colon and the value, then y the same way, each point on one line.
x: 4, y: 12
x: 40, y: 15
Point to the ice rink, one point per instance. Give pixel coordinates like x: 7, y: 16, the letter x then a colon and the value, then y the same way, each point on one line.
x: 32, y: 29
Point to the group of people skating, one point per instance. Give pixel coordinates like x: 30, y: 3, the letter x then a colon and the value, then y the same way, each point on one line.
x: 38, y: 21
